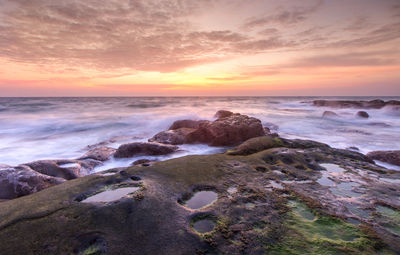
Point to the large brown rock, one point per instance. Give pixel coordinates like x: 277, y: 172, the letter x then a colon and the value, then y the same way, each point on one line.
x: 175, y: 136
x: 131, y: 149
x: 227, y: 131
x: 22, y: 180
x: 391, y: 157
x: 99, y: 153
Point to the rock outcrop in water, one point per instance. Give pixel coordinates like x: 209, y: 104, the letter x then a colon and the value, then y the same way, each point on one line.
x: 362, y: 114
x: 229, y: 129
x: 329, y: 114
x: 99, y: 153
x: 373, y: 104
x: 391, y: 157
x: 131, y: 149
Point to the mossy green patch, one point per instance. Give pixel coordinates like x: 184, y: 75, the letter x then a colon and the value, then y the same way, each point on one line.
x: 390, y: 218
x: 321, y: 235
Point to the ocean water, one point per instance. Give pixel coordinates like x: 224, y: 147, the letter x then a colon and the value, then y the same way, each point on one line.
x: 54, y: 128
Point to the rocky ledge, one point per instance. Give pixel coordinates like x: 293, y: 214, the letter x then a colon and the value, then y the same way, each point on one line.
x: 266, y: 196
x: 373, y: 104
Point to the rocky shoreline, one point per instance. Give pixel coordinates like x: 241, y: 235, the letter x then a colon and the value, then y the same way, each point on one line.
x: 273, y: 195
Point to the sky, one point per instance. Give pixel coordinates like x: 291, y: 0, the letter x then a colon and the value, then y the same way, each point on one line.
x: 199, y: 47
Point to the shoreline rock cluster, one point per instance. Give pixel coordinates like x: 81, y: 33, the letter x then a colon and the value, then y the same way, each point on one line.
x: 228, y: 129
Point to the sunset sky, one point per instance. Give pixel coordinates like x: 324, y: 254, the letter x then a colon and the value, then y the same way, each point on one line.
x: 199, y: 47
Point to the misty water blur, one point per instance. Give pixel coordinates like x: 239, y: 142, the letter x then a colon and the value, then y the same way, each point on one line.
x: 50, y: 128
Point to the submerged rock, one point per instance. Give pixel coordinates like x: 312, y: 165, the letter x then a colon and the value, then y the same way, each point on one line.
x: 131, y: 149
x: 362, y: 114
x: 22, y: 180
x: 329, y: 114
x: 391, y: 157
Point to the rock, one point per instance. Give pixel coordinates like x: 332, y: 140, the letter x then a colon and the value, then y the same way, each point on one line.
x: 353, y: 148
x: 227, y: 131
x: 131, y: 149
x: 255, y: 145
x: 329, y: 114
x: 379, y: 124
x: 391, y: 157
x: 99, y: 153
x: 283, y: 204
x: 186, y: 124
x: 64, y: 168
x: 175, y: 136
x: 223, y: 114
x: 22, y: 180
x: 373, y: 104
x: 140, y: 161
x: 271, y: 126
x: 362, y: 114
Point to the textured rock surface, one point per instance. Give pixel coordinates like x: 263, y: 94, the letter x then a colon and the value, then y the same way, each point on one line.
x: 229, y: 129
x: 175, y: 136
x: 63, y: 168
x: 391, y: 157
x: 99, y: 153
x: 226, y: 131
x: 186, y: 124
x: 131, y: 149
x: 281, y: 198
x: 22, y: 180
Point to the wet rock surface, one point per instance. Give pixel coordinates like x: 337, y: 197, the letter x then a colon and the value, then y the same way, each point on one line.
x: 283, y: 197
x: 225, y: 131
x: 99, y: 153
x: 373, y: 104
x: 22, y: 180
x: 131, y: 149
x: 229, y: 129
x: 391, y: 157
x: 329, y: 114
x: 63, y: 168
x: 362, y: 114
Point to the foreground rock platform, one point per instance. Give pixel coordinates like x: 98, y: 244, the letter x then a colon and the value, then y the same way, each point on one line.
x: 274, y: 196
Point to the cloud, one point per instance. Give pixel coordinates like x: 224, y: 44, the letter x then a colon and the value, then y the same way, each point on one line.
x: 284, y: 16
x: 385, y: 33
x: 348, y: 59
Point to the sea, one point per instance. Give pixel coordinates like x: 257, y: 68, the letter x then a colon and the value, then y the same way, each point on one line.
x: 67, y: 127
